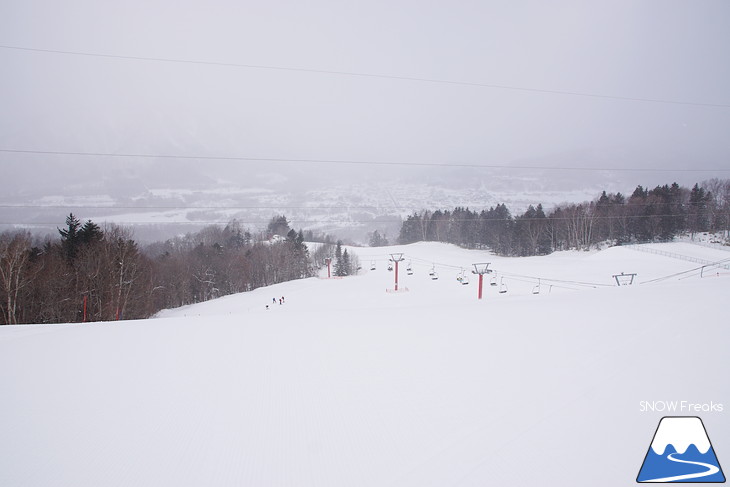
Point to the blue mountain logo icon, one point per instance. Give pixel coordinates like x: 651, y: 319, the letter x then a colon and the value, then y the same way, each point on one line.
x: 680, y: 452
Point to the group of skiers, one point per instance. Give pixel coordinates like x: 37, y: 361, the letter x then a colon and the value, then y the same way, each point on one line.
x: 273, y: 300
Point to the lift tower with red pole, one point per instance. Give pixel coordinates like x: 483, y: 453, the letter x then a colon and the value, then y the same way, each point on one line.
x: 396, y: 258
x: 481, y: 269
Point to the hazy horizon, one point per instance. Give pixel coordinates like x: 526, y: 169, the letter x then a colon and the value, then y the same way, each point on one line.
x: 623, y: 91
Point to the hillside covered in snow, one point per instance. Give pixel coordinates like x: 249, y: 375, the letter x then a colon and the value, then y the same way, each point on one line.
x: 348, y: 383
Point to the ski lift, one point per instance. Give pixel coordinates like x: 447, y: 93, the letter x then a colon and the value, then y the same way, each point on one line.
x: 372, y: 265
x: 433, y: 274
x: 493, y: 281
x: 628, y: 279
x: 462, y: 277
x: 536, y: 289
x: 390, y: 267
x: 502, y: 286
x: 409, y: 269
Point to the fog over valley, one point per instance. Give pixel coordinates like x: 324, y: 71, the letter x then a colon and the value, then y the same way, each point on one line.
x: 238, y: 110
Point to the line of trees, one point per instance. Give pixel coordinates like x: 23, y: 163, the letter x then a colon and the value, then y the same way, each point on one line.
x: 87, y: 273
x: 658, y: 214
x: 94, y: 274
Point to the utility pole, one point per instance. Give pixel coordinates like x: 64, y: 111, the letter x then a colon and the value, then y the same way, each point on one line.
x: 481, y: 269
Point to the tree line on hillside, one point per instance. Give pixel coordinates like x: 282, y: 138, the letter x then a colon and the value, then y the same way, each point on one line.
x: 647, y: 215
x: 92, y: 274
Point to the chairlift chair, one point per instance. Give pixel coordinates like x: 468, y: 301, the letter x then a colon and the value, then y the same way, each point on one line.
x: 434, y: 276
x: 409, y: 269
x: 536, y: 289
x: 372, y: 265
x: 502, y: 286
x: 493, y: 281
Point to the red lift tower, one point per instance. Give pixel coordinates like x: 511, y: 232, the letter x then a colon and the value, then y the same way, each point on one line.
x: 396, y: 258
x: 481, y: 269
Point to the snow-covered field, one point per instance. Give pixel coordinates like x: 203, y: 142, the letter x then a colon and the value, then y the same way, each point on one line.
x: 346, y: 384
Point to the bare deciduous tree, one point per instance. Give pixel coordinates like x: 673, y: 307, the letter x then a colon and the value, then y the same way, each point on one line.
x: 15, y: 250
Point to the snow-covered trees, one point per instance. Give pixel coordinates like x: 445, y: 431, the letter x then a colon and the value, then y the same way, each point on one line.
x: 377, y: 240
x: 343, y: 262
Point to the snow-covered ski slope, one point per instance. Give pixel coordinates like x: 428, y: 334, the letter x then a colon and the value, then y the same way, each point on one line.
x: 346, y: 384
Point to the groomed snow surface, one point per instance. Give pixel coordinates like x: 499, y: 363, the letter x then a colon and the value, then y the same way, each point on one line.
x: 346, y: 384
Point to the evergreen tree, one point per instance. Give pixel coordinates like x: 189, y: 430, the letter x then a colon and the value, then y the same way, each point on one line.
x: 411, y: 230
x: 500, y: 226
x: 70, y: 237
x: 636, y: 213
x: 698, y: 218
x: 299, y: 254
x: 544, y: 244
x: 439, y: 226
x: 619, y: 219
x: 338, y: 250
x: 234, y: 236
x: 377, y: 240
x: 604, y: 224
x: 346, y: 264
x: 338, y: 258
x: 679, y: 216
x: 343, y: 265
x: 278, y: 225
x: 90, y: 233
x: 639, y: 192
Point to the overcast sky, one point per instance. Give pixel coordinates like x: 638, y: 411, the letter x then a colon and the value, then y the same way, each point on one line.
x: 659, y: 50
